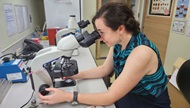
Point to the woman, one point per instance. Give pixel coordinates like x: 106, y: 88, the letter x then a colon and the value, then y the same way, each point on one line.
x: 140, y: 78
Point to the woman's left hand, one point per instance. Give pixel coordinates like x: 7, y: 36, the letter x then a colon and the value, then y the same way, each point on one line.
x: 56, y: 96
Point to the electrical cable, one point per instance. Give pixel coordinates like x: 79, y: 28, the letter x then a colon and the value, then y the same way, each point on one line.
x: 13, y: 55
x: 33, y: 88
x: 28, y: 100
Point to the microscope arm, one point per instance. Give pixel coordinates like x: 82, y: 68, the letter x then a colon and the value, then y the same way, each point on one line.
x: 63, y: 32
x: 65, y: 48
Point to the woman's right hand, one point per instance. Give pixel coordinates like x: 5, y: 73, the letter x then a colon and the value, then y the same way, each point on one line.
x: 56, y: 96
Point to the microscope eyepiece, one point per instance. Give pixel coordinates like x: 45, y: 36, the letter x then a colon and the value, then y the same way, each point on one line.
x: 86, y: 39
x: 83, y: 24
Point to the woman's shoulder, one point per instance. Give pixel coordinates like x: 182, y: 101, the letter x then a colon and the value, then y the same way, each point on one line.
x: 143, y: 50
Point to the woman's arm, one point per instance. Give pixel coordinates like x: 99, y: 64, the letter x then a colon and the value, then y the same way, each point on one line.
x: 140, y: 62
x: 100, y: 71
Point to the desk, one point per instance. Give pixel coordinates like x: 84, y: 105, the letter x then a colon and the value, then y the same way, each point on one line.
x: 20, y: 93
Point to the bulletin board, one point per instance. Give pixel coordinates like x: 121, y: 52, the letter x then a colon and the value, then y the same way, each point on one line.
x: 160, y: 7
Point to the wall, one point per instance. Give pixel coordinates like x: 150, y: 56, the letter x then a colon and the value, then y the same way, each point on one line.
x: 88, y: 11
x: 57, y: 13
x: 34, y: 8
x: 178, y: 46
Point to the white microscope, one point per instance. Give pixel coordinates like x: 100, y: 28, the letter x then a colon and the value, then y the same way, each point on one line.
x: 53, y: 63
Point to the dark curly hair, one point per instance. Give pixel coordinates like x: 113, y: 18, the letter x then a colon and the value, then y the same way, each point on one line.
x: 116, y: 14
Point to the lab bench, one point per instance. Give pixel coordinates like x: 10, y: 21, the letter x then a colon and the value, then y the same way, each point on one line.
x: 20, y: 93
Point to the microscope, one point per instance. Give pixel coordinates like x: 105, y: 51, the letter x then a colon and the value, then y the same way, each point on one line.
x: 53, y: 63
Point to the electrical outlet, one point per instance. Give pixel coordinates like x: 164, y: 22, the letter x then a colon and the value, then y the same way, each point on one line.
x: 18, y: 51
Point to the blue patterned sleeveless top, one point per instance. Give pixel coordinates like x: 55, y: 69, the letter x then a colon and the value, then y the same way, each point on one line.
x: 153, y: 84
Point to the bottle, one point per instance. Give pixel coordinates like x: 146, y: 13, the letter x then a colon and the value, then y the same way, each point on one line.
x: 72, y: 23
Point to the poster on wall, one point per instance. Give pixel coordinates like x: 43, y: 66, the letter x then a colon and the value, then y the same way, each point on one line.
x: 26, y: 17
x: 181, y: 8
x: 20, y: 18
x: 179, y: 26
x: 160, y: 7
x: 10, y: 19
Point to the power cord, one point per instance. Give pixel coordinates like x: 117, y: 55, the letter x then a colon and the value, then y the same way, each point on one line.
x: 26, y: 56
x: 33, y: 88
x: 28, y: 100
x: 13, y: 55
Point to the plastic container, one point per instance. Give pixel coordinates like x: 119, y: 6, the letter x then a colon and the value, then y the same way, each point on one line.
x: 52, y: 34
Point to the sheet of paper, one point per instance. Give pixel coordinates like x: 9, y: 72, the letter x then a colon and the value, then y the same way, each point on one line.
x: 10, y: 19
x: 179, y: 26
x: 173, y: 78
x: 20, y: 18
x: 187, y: 33
x: 26, y: 17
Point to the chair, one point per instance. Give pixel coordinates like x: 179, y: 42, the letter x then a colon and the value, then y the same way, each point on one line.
x: 183, y: 80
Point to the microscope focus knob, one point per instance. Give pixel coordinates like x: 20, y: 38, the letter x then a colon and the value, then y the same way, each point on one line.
x: 42, y: 89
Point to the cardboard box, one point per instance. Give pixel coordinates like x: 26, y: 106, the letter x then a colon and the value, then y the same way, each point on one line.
x: 176, y: 97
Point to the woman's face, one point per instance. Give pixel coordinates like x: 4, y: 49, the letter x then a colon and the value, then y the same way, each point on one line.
x: 107, y: 35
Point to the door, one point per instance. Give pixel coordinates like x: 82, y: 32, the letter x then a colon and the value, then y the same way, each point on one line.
x: 157, y: 29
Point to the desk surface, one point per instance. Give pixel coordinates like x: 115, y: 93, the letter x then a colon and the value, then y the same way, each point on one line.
x: 20, y: 93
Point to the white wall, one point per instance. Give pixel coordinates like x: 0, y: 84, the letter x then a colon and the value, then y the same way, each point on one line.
x: 34, y: 8
x: 178, y: 46
x: 89, y: 10
x: 57, y: 13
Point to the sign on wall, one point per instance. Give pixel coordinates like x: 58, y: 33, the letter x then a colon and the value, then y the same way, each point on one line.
x: 179, y: 26
x: 160, y: 7
x: 181, y: 8
x: 10, y: 19
x: 22, y: 17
